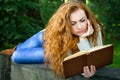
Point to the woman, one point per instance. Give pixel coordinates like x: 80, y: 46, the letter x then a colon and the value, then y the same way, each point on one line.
x: 71, y: 29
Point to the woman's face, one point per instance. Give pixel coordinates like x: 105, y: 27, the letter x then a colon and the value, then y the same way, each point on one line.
x: 78, y: 20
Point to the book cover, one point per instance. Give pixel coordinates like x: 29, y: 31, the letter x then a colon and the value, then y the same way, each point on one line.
x: 98, y: 56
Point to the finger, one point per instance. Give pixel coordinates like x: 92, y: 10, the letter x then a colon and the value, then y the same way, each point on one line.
x: 86, y: 72
x: 90, y: 28
x: 88, y: 21
x: 89, y: 31
x: 89, y: 24
x: 86, y: 33
x: 93, y: 70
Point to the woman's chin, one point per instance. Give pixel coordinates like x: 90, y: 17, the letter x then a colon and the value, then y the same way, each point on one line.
x: 78, y: 34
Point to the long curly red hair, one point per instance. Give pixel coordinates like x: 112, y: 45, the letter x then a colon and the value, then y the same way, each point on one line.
x: 58, y: 37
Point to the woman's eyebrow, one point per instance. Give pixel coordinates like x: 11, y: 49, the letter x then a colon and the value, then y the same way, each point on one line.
x: 82, y: 18
x: 79, y: 19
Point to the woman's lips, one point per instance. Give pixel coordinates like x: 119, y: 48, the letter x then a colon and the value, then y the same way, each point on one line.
x: 79, y: 32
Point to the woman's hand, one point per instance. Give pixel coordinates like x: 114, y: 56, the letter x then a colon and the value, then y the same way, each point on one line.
x: 89, y: 31
x: 87, y: 73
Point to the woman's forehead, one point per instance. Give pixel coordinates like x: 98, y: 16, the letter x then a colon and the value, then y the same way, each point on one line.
x: 79, y: 13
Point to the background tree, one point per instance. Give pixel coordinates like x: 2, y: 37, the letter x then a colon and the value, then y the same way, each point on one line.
x: 48, y: 8
x: 108, y: 12
x: 19, y: 19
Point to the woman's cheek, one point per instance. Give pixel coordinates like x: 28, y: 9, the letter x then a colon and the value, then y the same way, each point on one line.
x: 85, y: 27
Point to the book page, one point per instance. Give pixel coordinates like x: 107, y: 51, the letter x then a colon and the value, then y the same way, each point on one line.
x: 86, y: 52
x: 75, y: 55
x: 99, y: 47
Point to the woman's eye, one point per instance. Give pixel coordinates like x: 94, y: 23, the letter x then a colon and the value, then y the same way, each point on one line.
x: 73, y: 23
x: 82, y: 20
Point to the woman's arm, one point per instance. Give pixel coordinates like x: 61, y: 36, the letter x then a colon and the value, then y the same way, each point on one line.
x: 84, y: 44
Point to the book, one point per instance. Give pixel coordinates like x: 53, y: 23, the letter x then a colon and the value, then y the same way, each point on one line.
x: 99, y: 56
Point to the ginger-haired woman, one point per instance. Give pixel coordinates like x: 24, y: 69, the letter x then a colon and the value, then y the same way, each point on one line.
x: 71, y: 29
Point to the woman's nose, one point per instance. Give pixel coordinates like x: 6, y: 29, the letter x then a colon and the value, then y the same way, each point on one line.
x: 79, y: 26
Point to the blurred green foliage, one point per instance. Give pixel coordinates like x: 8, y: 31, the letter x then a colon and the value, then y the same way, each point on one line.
x: 108, y: 12
x: 48, y: 8
x: 19, y: 19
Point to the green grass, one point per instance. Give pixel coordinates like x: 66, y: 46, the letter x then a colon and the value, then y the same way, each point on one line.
x: 116, y: 57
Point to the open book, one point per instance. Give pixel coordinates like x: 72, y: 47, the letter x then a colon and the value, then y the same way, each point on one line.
x: 98, y: 56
